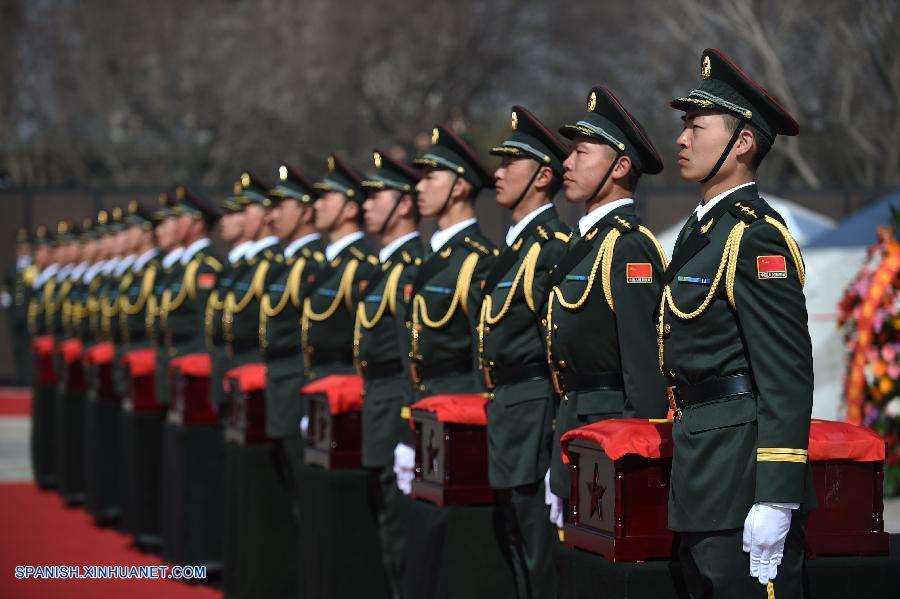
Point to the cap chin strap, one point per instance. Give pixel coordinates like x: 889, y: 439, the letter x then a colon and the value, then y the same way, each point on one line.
x: 338, y: 215
x: 606, y: 176
x: 726, y: 151
x: 391, y: 213
x: 527, y: 187
x: 449, y: 195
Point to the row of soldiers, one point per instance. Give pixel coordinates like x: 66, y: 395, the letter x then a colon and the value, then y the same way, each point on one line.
x: 560, y: 328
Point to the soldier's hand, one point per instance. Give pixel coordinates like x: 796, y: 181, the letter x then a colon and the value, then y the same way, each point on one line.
x: 765, y: 530
x: 404, y: 467
x: 555, y: 503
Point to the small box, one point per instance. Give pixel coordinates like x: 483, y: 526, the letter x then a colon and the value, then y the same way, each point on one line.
x: 189, y: 377
x: 334, y: 408
x: 140, y: 367
x: 451, y: 450
x: 246, y: 404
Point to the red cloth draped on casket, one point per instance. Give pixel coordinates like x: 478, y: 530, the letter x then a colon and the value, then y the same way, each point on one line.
x: 43, y: 345
x: 199, y: 364
x: 619, y: 437
x: 458, y: 408
x: 71, y: 350
x: 249, y: 377
x: 344, y: 392
x: 140, y: 362
x: 830, y: 440
x: 100, y: 354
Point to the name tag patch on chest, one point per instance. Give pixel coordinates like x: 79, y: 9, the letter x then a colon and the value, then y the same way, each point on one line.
x: 695, y: 280
x: 504, y: 285
x: 441, y: 290
x: 639, y: 272
x: 771, y: 267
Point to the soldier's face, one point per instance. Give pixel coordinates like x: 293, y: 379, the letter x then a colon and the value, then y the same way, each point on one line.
x: 286, y: 218
x: 328, y: 207
x: 183, y: 227
x: 254, y: 220
x: 230, y: 226
x: 511, y: 178
x: 377, y: 209
x: 700, y: 144
x: 166, y: 234
x: 434, y: 188
x: 585, y: 167
x: 42, y: 255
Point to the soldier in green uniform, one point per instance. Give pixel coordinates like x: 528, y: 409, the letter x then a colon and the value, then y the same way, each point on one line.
x: 41, y: 414
x: 292, y: 221
x: 191, y: 453
x: 133, y: 300
x: 606, y: 287
x: 446, y: 293
x: 262, y: 540
x: 15, y: 296
x: 381, y: 345
x: 511, y: 346
x: 734, y: 344
x: 329, y: 308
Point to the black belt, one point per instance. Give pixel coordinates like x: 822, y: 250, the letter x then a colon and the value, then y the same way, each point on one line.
x: 380, y: 370
x: 420, y: 372
x: 509, y: 375
x: 321, y: 357
x: 684, y: 396
x: 585, y: 381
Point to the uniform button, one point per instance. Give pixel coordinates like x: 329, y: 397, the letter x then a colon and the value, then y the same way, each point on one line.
x: 487, y: 330
x: 562, y: 363
x: 422, y: 388
x: 543, y: 322
x: 668, y: 329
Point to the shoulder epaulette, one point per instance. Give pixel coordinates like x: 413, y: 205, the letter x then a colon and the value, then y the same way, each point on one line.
x: 357, y: 253
x: 746, y: 211
x: 478, y: 247
x: 625, y: 224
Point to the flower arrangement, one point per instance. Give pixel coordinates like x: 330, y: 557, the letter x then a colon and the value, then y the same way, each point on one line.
x: 869, y: 315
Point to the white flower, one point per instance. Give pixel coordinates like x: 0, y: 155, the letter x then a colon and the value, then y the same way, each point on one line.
x: 892, y: 409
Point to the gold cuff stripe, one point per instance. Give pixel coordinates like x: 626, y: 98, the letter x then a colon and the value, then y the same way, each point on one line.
x: 782, y: 450
x: 765, y: 457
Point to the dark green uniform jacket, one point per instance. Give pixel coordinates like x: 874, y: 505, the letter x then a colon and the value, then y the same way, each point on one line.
x: 382, y: 344
x: 241, y: 302
x: 735, y: 305
x: 520, y: 413
x: 133, y: 303
x: 601, y: 319
x: 279, y: 326
x: 443, y: 315
x: 329, y: 310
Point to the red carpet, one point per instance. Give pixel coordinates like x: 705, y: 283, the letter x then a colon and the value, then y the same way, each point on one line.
x: 36, y: 529
x: 15, y: 401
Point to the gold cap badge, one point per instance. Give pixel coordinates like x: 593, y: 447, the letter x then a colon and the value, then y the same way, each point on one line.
x: 377, y: 157
x: 179, y: 192
x: 592, y: 102
x: 330, y: 163
x: 705, y: 68
x: 132, y: 206
x: 245, y: 179
x: 102, y: 217
x: 238, y: 188
x: 282, y: 172
x: 435, y: 135
x: 117, y: 213
x: 514, y: 120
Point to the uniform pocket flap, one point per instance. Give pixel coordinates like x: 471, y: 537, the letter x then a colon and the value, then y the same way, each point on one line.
x: 720, y: 414
x: 603, y: 401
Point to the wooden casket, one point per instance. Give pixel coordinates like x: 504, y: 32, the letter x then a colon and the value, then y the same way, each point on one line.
x: 334, y: 408
x: 189, y: 380
x: 245, y: 388
x: 618, y: 506
x: 451, y: 450
x: 140, y: 366
x: 98, y: 360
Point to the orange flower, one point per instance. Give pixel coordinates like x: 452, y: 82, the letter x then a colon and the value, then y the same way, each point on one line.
x: 885, y: 385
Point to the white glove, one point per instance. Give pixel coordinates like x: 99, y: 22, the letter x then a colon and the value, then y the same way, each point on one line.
x: 555, y: 503
x: 404, y: 467
x: 765, y: 530
x: 304, y: 427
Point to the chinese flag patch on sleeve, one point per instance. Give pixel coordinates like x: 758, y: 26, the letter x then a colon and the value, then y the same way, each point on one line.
x: 639, y: 272
x: 206, y: 280
x: 771, y: 267
x: 407, y: 291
